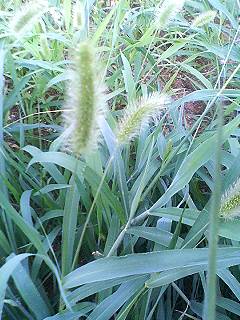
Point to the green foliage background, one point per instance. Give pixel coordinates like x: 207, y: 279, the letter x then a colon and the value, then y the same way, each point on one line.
x: 143, y: 251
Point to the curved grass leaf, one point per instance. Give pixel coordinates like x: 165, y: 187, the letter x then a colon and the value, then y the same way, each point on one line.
x: 106, y: 309
x: 5, y: 272
x: 28, y: 290
x: 142, y: 263
x: 79, y: 311
x: 27, y: 229
x: 154, y: 234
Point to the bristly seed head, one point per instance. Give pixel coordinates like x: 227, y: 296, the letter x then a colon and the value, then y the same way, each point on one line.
x: 85, y: 103
x: 230, y: 202
x: 166, y: 12
x: 204, y: 18
x: 138, y: 114
x: 23, y: 20
x: 78, y: 16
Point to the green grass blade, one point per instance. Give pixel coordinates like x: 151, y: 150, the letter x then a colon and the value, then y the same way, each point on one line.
x: 28, y: 290
x: 69, y: 227
x: 133, y: 264
x: 27, y: 230
x: 106, y: 309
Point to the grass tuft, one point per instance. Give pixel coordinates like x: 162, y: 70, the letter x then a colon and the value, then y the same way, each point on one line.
x: 133, y: 227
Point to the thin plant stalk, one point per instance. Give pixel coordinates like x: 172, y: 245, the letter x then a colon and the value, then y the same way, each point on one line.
x: 91, y: 210
x: 146, y: 55
x: 210, y: 299
x: 7, y: 221
x: 134, y: 206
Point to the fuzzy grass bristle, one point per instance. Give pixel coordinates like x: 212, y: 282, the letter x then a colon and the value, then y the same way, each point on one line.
x: 138, y: 114
x: 166, y: 12
x: 78, y: 16
x: 230, y: 202
x: 23, y: 21
x: 85, y: 101
x: 204, y: 18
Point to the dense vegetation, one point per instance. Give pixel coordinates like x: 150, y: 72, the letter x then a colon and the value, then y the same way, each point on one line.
x: 133, y: 215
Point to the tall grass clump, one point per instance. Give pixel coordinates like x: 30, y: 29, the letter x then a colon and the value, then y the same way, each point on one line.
x: 136, y: 226
x: 85, y: 101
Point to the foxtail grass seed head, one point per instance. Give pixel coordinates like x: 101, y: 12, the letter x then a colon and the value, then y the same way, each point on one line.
x: 166, y: 12
x: 138, y: 114
x: 78, y: 15
x: 23, y: 21
x: 204, y: 18
x: 85, y: 103
x: 230, y: 202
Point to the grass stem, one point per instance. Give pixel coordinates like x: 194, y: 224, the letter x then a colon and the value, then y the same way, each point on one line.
x: 210, y: 299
